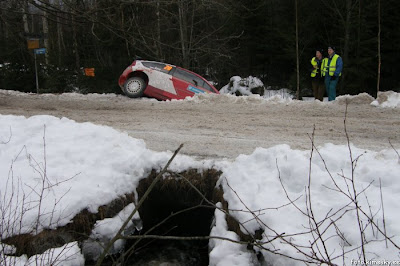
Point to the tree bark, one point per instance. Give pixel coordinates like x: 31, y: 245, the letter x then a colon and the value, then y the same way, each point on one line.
x: 75, y: 44
x: 183, y: 32
x: 297, y: 55
x: 60, y: 36
x: 358, y: 52
x: 46, y: 33
x: 4, y: 29
x: 379, y: 49
x: 346, y: 41
x: 158, y: 38
x: 25, y: 16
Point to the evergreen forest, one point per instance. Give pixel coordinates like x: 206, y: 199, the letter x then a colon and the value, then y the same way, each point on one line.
x: 217, y: 39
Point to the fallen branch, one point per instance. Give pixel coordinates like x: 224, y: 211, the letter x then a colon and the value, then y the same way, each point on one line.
x: 146, y: 194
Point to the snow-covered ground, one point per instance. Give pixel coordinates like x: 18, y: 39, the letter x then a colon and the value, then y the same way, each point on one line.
x: 387, y: 99
x: 67, y: 255
x: 208, y: 124
x: 253, y: 86
x: 52, y: 168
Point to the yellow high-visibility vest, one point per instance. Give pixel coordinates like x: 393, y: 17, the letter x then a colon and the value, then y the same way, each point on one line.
x: 315, y: 70
x: 324, y: 65
x: 332, y: 66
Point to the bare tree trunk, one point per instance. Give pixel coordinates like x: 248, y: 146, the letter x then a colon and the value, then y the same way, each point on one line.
x: 379, y: 48
x: 190, y: 47
x: 347, y: 30
x: 75, y: 44
x: 358, y: 52
x: 33, y: 29
x: 297, y: 56
x: 46, y: 33
x: 345, y: 55
x: 158, y: 38
x: 60, y: 36
x: 5, y: 28
x: 25, y: 16
x: 183, y: 32
x: 125, y: 34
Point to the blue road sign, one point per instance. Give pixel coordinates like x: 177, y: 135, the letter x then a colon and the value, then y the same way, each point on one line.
x: 40, y: 51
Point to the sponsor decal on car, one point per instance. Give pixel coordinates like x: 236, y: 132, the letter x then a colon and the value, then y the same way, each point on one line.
x: 168, y: 68
x: 194, y: 89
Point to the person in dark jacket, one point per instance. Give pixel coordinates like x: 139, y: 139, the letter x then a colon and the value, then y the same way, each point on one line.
x: 332, y: 71
x: 317, y: 78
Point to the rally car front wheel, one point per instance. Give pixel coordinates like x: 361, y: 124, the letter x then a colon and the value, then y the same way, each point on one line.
x: 134, y: 87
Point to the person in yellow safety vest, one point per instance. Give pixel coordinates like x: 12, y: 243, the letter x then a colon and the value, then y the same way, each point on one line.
x: 332, y: 71
x: 317, y: 78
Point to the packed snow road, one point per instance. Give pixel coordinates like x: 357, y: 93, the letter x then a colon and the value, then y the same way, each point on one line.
x: 217, y: 126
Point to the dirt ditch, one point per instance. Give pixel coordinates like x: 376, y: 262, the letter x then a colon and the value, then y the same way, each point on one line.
x: 180, y: 204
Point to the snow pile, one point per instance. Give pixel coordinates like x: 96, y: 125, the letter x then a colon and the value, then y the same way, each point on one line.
x: 228, y: 98
x: 263, y: 193
x: 106, y: 229
x: 389, y: 99
x: 282, y: 93
x: 67, y: 255
x: 362, y: 98
x: 74, y: 95
x: 253, y: 86
x: 227, y: 252
x: 7, y: 249
x: 52, y: 168
x: 15, y: 93
x: 44, y: 159
x: 243, y: 86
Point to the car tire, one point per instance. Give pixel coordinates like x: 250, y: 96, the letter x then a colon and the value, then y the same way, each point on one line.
x: 134, y: 87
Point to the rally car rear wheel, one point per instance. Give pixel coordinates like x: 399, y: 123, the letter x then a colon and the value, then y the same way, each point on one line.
x: 134, y: 87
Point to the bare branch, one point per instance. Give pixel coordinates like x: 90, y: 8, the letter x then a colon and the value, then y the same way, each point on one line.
x: 383, y: 212
x: 119, y: 233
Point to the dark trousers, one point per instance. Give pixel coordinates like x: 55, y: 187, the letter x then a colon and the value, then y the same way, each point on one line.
x: 318, y: 87
x: 331, y: 87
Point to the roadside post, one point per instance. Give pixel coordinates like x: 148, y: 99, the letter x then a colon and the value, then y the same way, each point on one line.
x: 35, y: 52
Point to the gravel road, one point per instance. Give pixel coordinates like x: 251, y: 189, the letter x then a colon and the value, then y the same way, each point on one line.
x: 221, y: 126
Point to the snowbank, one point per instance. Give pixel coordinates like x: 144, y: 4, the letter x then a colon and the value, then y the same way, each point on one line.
x: 362, y: 98
x: 282, y: 93
x: 225, y: 252
x: 261, y: 173
x: 64, y: 167
x: 252, y: 86
x: 84, y: 164
x: 67, y: 255
x: 243, y: 86
x: 228, y: 98
x: 74, y: 95
x: 388, y: 99
x: 106, y: 229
